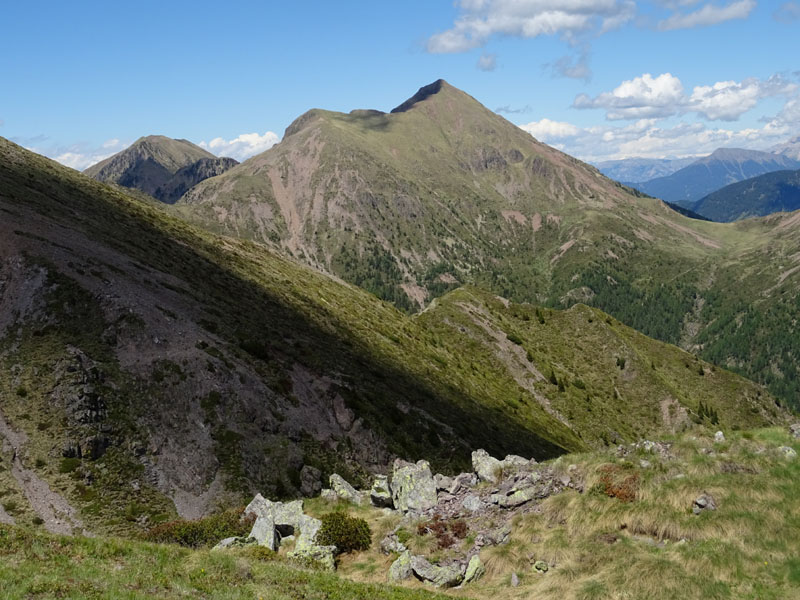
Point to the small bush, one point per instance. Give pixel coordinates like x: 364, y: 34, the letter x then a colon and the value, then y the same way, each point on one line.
x: 445, y: 532
x: 348, y: 534
x: 69, y: 465
x: 202, y: 532
x: 22, y: 392
x: 614, y: 483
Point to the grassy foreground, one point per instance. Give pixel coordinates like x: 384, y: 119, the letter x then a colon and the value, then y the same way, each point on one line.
x: 34, y: 565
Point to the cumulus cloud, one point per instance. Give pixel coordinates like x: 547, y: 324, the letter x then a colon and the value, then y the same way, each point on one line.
x: 728, y: 100
x: 487, y: 62
x: 548, y: 131
x: 78, y: 156
x: 243, y: 146
x: 646, y: 138
x: 480, y: 20
x: 788, y: 12
x: 708, y: 14
x: 663, y: 96
x: 637, y: 98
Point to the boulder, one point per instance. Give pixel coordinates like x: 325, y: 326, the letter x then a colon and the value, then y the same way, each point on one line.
x: 344, y: 490
x: 463, y: 481
x: 264, y: 533
x: 310, y: 481
x: 475, y: 569
x: 514, y: 580
x: 472, y: 503
x: 391, y: 544
x: 703, y: 502
x: 516, y: 498
x: 443, y: 483
x: 486, y: 467
x: 329, y: 495
x: 513, y: 463
x: 413, y: 488
x: 322, y: 557
x: 788, y: 452
x: 234, y: 542
x: 719, y: 437
x: 444, y: 577
x: 494, y: 537
x: 794, y: 430
x: 401, y: 568
x: 380, y: 495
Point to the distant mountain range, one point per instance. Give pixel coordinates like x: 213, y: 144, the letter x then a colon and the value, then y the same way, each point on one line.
x: 630, y: 171
x: 778, y: 191
x: 160, y: 166
x: 706, y: 175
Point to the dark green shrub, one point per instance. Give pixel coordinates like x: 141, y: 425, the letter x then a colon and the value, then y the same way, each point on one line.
x: 69, y: 465
x: 202, y: 532
x: 348, y: 534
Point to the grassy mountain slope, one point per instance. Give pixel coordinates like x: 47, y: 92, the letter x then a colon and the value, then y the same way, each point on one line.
x: 153, y: 364
x: 415, y: 203
x: 160, y: 166
x: 706, y: 175
x: 763, y: 195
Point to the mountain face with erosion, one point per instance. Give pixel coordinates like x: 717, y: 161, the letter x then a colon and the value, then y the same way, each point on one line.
x: 165, y: 369
x: 706, y: 175
x: 160, y: 167
x: 790, y: 149
x: 763, y: 195
x: 443, y: 192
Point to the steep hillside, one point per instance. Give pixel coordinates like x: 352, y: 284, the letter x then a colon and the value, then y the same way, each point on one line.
x: 411, y: 204
x: 153, y: 367
x: 161, y: 167
x: 706, y: 175
x: 763, y: 195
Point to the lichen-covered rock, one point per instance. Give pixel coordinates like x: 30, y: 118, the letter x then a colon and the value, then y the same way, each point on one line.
x: 380, y: 495
x: 494, y: 537
x: 788, y: 452
x: 513, y: 463
x: 401, y: 568
x: 263, y: 532
x: 344, y: 490
x: 472, y: 503
x: 413, y: 488
x: 486, y: 467
x: 794, y: 430
x: 444, y: 577
x: 475, y: 569
x: 310, y: 481
x: 322, y: 557
x: 541, y: 567
x: 234, y: 542
x: 719, y: 437
x: 516, y: 498
x: 392, y: 544
x: 329, y: 495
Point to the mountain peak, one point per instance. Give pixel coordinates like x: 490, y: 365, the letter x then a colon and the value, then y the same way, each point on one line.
x: 424, y: 93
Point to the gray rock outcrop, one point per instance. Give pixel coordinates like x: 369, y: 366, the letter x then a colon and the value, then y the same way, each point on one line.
x: 794, y: 430
x: 380, y: 495
x: 310, y: 481
x: 401, y: 568
x: 475, y: 569
x: 344, y: 490
x: 440, y: 576
x: 486, y: 467
x: 413, y: 488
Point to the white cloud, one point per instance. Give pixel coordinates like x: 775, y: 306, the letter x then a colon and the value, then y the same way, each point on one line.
x: 574, y: 68
x: 638, y: 98
x: 547, y: 130
x: 487, y: 62
x: 788, y: 12
x: 243, y: 146
x: 78, y: 156
x: 479, y: 20
x: 645, y: 138
x: 708, y: 14
x: 663, y: 96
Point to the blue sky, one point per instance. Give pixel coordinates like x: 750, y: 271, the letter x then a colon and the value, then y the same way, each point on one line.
x: 597, y: 78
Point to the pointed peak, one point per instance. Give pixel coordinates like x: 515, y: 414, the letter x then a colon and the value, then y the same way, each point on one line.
x: 424, y: 93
